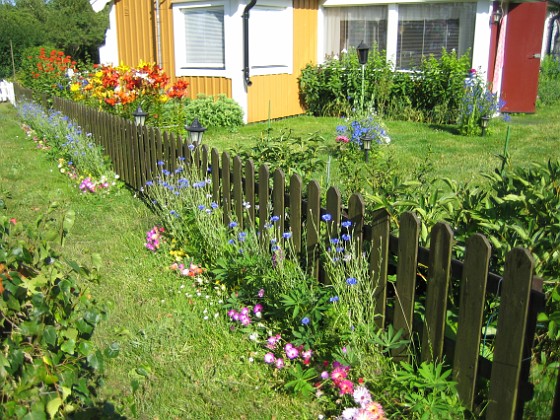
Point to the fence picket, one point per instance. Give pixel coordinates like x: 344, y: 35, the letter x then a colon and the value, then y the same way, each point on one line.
x: 406, y: 274
x: 510, y: 336
x: 264, y: 179
x: 226, y: 187
x: 313, y: 227
x: 441, y: 243
x: 278, y: 191
x: 296, y: 191
x: 356, y: 213
x: 215, y: 159
x: 379, y: 262
x: 238, y: 190
x: 250, y: 191
x: 471, y: 315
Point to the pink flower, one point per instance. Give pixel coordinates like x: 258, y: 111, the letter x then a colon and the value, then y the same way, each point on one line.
x: 307, y: 354
x: 338, y: 374
x: 261, y: 293
x: 257, y: 308
x: 231, y: 313
x: 325, y: 374
x: 362, y: 396
x: 272, y: 341
x: 292, y: 353
x: 245, y: 320
x: 279, y: 363
x: 342, y: 139
x: 346, y: 387
x: 376, y: 410
x: 13, y: 221
x: 269, y: 358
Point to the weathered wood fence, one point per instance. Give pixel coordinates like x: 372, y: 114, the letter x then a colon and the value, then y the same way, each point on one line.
x: 135, y: 152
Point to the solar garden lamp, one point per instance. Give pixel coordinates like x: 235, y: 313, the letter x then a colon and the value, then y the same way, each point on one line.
x: 196, y: 131
x: 363, y: 51
x: 139, y: 116
x: 366, y: 144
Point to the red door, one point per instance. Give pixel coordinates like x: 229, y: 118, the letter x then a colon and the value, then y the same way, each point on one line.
x: 522, y: 51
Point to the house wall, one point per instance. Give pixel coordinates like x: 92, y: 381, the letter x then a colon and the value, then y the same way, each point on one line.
x: 138, y: 40
x: 277, y: 96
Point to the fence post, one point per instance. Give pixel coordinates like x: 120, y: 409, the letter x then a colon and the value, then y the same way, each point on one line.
x: 215, y: 158
x: 264, y: 178
x: 510, y: 336
x: 238, y: 190
x: 278, y: 191
x: 296, y: 185
x: 226, y: 187
x: 250, y: 191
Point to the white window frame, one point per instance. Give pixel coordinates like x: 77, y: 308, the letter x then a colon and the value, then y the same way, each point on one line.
x: 181, y: 67
x: 271, y: 43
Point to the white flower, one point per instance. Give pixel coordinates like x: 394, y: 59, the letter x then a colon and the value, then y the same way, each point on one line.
x: 362, y: 396
x: 254, y: 336
x: 349, y: 413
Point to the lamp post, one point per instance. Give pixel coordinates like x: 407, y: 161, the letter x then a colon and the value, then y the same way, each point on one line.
x: 366, y: 143
x: 363, y: 51
x: 196, y: 131
x: 140, y: 116
x: 497, y: 15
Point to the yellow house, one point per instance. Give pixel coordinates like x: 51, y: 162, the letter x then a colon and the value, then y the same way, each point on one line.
x: 204, y: 42
x: 253, y: 50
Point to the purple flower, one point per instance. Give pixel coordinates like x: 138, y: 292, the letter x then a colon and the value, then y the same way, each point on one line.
x: 257, y: 308
x: 261, y: 293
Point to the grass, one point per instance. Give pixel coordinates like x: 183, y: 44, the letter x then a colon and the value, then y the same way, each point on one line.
x: 533, y: 138
x: 186, y: 367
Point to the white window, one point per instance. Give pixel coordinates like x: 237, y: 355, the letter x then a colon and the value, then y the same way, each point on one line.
x: 426, y: 29
x: 271, y: 37
x: 346, y: 27
x: 200, y: 37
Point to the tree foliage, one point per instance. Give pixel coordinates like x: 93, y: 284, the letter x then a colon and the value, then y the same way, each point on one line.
x: 69, y: 25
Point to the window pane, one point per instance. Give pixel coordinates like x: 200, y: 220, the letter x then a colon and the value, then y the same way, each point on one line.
x: 429, y: 28
x: 346, y: 27
x: 270, y: 37
x: 204, y: 32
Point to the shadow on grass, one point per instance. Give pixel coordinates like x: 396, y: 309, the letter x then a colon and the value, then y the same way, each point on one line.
x: 451, y: 129
x: 103, y: 411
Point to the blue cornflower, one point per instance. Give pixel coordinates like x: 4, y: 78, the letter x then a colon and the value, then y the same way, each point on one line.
x: 274, y: 219
x: 174, y: 213
x: 166, y: 172
x: 201, y: 207
x: 232, y: 225
x: 181, y: 158
x: 191, y: 146
x: 161, y: 163
x: 241, y: 237
x: 179, y: 170
x: 287, y: 235
x: 305, y: 320
x: 231, y: 241
x: 351, y: 281
x: 345, y: 237
x: 334, y: 299
x: 214, y: 205
x: 346, y: 224
x: 326, y: 217
x: 334, y: 241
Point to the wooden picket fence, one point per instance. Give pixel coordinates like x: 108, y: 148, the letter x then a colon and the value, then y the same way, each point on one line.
x: 135, y: 152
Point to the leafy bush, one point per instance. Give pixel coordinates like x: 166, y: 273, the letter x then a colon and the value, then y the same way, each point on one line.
x: 430, y: 93
x: 48, y: 363
x: 214, y: 112
x: 549, y: 81
x: 289, y: 153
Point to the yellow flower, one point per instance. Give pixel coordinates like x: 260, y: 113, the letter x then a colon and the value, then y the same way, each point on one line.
x: 74, y: 87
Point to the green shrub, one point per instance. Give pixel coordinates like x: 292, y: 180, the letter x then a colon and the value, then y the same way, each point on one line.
x: 48, y: 363
x: 430, y: 93
x: 215, y: 112
x: 549, y: 81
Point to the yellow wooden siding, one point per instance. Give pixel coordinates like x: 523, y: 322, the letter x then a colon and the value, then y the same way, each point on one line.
x: 279, y: 94
x: 137, y: 40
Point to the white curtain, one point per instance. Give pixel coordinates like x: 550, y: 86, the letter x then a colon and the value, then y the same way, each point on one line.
x: 346, y: 27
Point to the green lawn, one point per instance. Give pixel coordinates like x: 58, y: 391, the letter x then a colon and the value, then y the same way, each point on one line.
x: 533, y: 138
x: 188, y: 367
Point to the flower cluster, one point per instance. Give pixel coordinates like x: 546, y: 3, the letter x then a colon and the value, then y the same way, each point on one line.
x: 154, y: 238
x: 289, y: 351
x: 354, y: 130
x: 48, y: 71
x: 478, y: 103
x: 243, y: 316
x: 192, y: 270
x: 367, y: 410
x: 338, y: 377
